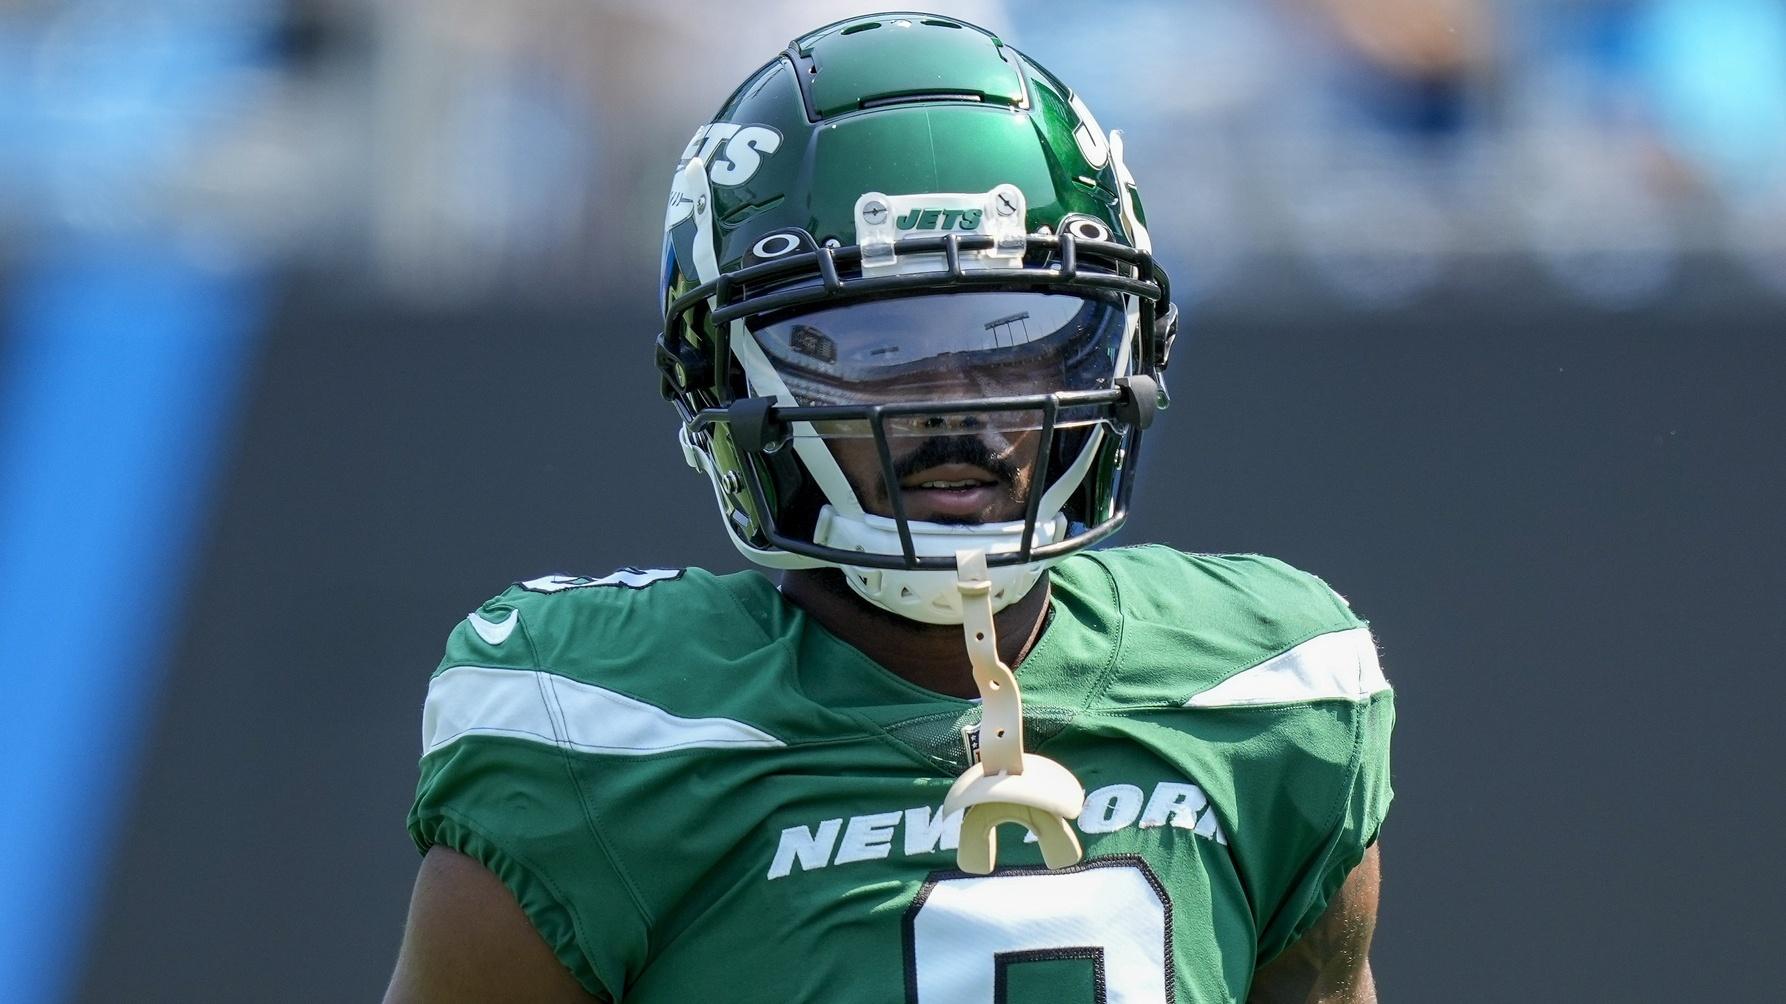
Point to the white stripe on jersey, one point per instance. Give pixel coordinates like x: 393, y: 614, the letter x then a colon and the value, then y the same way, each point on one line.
x: 1340, y: 666
x: 552, y: 710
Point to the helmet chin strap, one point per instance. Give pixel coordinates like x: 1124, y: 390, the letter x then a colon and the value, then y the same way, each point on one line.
x: 1007, y: 785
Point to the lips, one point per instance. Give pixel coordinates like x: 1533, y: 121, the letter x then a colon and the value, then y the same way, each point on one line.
x: 952, y: 493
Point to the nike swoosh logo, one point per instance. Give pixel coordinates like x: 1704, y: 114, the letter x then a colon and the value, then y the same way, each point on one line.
x: 494, y: 632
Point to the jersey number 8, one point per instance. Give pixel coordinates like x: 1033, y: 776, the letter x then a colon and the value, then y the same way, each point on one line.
x: 964, y: 933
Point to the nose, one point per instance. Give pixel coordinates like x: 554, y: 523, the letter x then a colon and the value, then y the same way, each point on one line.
x: 957, y: 426
x: 952, y: 423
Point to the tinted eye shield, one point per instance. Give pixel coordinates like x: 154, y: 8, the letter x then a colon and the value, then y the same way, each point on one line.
x: 1068, y: 264
x: 971, y: 344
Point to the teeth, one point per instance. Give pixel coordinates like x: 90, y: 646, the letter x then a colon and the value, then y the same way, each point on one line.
x: 970, y: 483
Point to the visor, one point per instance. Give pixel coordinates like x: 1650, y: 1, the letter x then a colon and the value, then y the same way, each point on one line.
x: 955, y: 348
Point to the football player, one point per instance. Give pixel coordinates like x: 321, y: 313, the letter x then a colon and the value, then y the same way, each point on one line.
x: 914, y: 335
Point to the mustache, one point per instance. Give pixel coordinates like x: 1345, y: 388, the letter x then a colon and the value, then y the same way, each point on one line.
x: 958, y: 449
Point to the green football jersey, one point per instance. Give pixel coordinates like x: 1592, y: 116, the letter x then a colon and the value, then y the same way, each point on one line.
x: 697, y: 793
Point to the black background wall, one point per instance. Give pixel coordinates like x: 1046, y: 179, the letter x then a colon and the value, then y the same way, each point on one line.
x: 1565, y: 525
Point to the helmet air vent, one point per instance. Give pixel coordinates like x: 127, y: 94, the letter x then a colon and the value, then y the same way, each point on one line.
x: 917, y: 59
x: 919, y: 97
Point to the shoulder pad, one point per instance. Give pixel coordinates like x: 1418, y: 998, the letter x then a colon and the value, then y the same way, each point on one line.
x: 1220, y: 630
x: 634, y: 663
x: 524, y: 625
x: 1158, y: 581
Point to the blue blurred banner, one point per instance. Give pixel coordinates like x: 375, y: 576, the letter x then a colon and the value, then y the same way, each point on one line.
x: 120, y: 385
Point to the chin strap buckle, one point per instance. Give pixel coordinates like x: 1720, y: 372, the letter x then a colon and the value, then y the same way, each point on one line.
x: 1007, y: 785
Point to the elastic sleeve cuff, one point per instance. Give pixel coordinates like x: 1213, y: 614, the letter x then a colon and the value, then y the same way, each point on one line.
x: 539, y: 900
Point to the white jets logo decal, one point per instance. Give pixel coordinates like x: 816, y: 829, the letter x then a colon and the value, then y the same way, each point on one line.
x: 732, y: 153
x: 1092, y: 144
x: 495, y: 632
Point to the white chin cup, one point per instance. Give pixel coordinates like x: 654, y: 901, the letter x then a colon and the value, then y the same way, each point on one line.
x: 931, y: 596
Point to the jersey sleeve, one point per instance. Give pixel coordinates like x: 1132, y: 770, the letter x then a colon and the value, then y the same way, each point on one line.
x: 1325, y: 779
x: 1292, y: 695
x: 496, y: 787
x: 1361, y: 801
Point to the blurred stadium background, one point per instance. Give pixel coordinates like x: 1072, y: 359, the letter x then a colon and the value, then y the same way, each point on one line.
x: 320, y: 320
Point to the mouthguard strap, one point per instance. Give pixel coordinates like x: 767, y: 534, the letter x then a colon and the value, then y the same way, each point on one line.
x: 1007, y: 785
x: 1001, y: 707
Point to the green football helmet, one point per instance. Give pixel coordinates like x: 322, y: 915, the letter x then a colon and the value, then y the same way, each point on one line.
x: 910, y: 308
